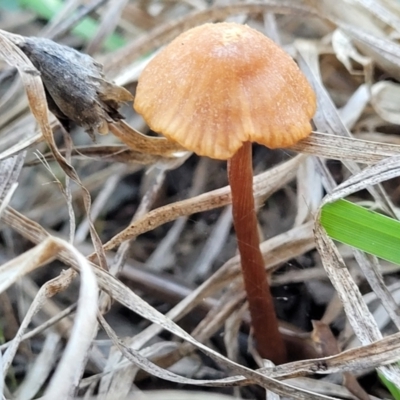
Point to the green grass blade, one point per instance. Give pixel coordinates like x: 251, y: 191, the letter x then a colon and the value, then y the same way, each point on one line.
x: 393, y: 389
x: 364, y: 229
x: 86, y: 29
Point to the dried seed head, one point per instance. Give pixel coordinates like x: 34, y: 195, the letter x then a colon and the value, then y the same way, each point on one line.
x: 75, y: 85
x: 219, y: 85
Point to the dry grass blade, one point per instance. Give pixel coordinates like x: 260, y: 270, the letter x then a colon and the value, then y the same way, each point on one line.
x: 213, y: 245
x: 264, y: 184
x: 360, y: 318
x: 18, y: 267
x: 105, y: 281
x: 346, y: 148
x: 68, y: 373
x: 369, y: 265
x: 383, y: 13
x: 385, y: 52
x: 178, y: 395
x: 36, y: 305
x: 65, y: 379
x: 309, y: 191
x: 320, y: 144
x: 42, y: 368
x: 382, y: 352
x: 157, y: 178
x: 49, y: 323
x: 136, y: 358
x: 164, y: 33
x: 9, y: 173
x: 276, y: 250
x: 380, y: 172
x: 136, y: 141
x: 124, y: 296
x: 14, y: 149
x: 327, y: 118
x: 110, y: 18
x: 158, y: 257
x: 324, y: 386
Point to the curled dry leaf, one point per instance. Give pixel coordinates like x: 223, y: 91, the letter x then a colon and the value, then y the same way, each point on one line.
x: 385, y: 98
x: 345, y: 51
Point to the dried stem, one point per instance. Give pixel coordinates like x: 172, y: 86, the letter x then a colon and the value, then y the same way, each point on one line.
x: 264, y: 322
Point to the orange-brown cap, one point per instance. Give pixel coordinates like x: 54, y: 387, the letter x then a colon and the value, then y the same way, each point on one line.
x: 219, y: 85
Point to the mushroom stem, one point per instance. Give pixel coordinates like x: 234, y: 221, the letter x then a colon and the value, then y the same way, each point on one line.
x: 269, y: 341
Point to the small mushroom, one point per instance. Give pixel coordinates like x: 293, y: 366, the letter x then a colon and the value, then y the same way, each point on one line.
x: 215, y: 89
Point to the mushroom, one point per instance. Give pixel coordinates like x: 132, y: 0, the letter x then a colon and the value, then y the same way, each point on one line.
x: 215, y: 89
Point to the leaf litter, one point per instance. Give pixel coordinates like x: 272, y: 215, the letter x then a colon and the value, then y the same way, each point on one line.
x: 349, y: 51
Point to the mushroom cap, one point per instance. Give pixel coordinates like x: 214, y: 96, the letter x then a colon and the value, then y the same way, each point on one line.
x: 219, y: 85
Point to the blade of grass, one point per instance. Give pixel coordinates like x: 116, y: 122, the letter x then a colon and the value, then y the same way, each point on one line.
x: 393, y: 389
x: 366, y: 230
x: 86, y: 29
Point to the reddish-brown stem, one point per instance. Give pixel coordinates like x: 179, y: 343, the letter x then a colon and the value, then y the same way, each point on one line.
x: 269, y: 341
